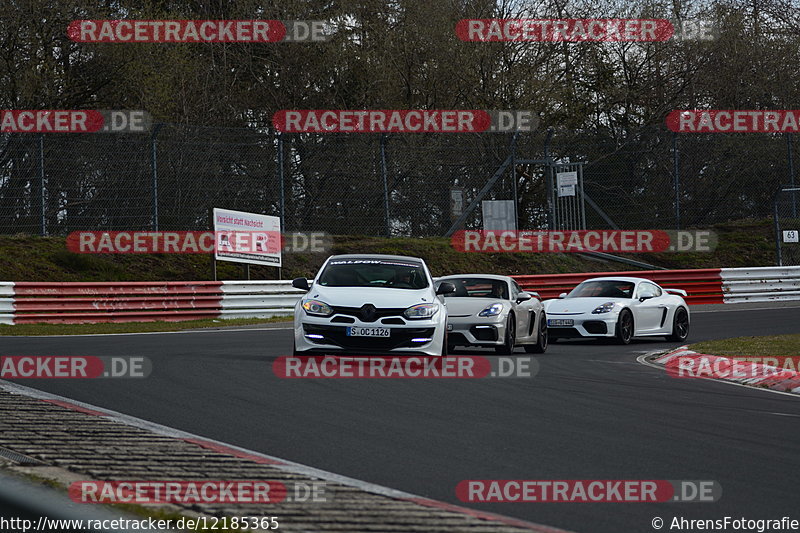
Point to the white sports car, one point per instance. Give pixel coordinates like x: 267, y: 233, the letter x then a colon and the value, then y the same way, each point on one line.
x: 618, y: 307
x: 371, y: 304
x: 493, y: 311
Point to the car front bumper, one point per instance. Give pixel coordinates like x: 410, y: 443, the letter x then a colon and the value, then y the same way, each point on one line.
x: 320, y: 335
x: 477, y: 331
x: 583, y: 325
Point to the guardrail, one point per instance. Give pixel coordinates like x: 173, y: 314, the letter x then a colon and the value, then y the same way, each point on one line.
x: 70, y: 303
x: 704, y: 286
x: 760, y: 284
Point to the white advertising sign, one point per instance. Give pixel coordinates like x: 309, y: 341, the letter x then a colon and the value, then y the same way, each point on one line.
x: 247, y: 237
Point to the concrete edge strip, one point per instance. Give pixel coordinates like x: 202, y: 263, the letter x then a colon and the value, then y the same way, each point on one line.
x: 768, y: 384
x: 261, y: 458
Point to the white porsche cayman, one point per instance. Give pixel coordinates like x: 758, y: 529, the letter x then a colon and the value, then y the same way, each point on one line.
x: 619, y: 307
x: 371, y: 304
x: 493, y: 311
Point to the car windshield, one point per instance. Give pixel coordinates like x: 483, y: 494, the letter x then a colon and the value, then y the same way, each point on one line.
x: 478, y: 288
x: 604, y: 289
x: 395, y: 274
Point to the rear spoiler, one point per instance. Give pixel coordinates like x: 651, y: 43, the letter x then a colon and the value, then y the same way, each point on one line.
x: 679, y: 292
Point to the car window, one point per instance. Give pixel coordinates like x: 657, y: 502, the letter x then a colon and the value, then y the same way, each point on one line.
x: 396, y: 274
x: 478, y: 288
x: 605, y: 289
x: 648, y: 290
x: 515, y: 290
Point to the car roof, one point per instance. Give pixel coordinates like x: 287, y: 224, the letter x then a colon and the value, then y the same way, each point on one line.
x: 627, y: 279
x: 487, y: 276
x: 376, y: 256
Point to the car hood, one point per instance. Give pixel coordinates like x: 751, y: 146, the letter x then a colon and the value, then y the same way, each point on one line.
x: 468, y: 306
x: 577, y: 306
x: 381, y: 297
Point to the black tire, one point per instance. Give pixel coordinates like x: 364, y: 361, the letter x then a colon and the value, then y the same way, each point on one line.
x: 625, y: 327
x: 680, y: 326
x: 507, y: 348
x: 541, y: 338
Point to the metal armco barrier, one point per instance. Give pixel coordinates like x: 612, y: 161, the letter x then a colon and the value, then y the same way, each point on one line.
x: 760, y: 284
x: 139, y: 301
x: 704, y: 286
x: 72, y: 303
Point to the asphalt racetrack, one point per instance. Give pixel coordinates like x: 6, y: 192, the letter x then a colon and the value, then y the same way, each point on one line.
x: 592, y: 412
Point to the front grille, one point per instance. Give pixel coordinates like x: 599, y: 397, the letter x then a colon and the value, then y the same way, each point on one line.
x: 595, y: 327
x: 369, y: 313
x: 399, y: 338
x: 457, y: 339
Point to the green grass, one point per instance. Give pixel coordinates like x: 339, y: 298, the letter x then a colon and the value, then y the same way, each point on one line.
x: 130, y: 327
x: 771, y: 346
x: 33, y: 258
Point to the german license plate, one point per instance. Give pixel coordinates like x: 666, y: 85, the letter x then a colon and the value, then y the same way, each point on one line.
x: 367, y: 332
x: 560, y: 322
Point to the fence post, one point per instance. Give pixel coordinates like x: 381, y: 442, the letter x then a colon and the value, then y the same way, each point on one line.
x: 279, y: 169
x: 514, y: 177
x: 42, y: 217
x: 154, y: 171
x: 779, y: 255
x: 384, y: 174
x: 676, y: 172
x: 790, y: 159
x: 549, y: 180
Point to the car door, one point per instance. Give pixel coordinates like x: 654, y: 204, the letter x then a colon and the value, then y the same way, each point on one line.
x: 524, y: 311
x: 649, y: 307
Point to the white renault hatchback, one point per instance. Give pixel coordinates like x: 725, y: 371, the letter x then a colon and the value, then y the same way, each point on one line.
x: 371, y: 304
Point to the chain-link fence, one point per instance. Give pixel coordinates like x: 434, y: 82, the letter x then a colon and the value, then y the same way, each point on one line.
x: 374, y: 184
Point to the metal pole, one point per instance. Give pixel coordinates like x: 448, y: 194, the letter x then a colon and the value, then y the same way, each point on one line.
x: 549, y: 180
x: 777, y: 227
x: 154, y: 170
x: 279, y: 164
x: 789, y: 143
x: 676, y: 171
x: 42, y: 221
x: 384, y: 173
x: 514, y: 178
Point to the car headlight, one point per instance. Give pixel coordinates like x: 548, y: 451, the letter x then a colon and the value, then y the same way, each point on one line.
x: 605, y: 308
x: 420, y: 311
x: 317, y: 308
x: 492, y: 310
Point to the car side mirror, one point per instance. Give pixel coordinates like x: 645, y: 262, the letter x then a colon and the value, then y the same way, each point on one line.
x: 301, y: 283
x: 562, y: 295
x: 446, y: 288
x: 523, y: 297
